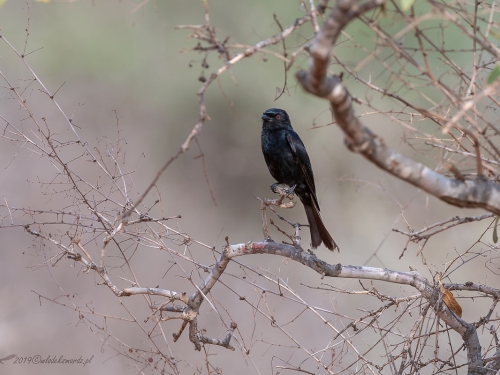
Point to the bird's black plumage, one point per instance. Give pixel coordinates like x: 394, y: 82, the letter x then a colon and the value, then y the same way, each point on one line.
x: 287, y: 160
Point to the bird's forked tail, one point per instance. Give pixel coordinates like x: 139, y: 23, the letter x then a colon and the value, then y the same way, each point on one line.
x: 319, y: 233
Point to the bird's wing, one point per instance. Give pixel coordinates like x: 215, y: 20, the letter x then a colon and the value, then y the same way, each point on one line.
x: 302, y: 159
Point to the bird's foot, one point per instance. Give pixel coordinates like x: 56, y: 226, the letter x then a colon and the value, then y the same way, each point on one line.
x: 290, y: 191
x: 274, y: 187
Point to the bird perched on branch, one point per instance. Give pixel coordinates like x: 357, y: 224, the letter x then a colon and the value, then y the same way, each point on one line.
x: 287, y: 160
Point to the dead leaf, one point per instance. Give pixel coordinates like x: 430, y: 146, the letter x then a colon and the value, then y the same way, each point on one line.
x: 449, y: 300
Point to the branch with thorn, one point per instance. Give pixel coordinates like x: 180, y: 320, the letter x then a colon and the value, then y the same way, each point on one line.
x: 477, y: 193
x: 284, y: 193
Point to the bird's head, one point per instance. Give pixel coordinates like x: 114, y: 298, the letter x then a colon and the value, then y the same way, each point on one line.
x: 275, y: 118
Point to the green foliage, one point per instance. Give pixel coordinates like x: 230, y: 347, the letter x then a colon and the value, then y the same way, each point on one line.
x: 495, y: 73
x: 406, y: 4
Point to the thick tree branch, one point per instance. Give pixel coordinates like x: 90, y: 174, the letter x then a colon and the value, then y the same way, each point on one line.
x: 493, y: 364
x: 413, y: 278
x: 478, y: 193
x: 189, y: 313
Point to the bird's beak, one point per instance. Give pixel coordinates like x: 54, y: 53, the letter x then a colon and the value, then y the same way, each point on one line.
x: 266, y: 117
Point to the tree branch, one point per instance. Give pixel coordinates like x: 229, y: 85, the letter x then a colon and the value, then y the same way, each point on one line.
x: 478, y: 193
x: 412, y: 278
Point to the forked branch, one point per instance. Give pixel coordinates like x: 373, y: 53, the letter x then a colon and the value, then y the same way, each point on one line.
x: 477, y: 193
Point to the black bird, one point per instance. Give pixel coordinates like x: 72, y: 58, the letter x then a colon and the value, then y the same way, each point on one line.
x: 287, y: 160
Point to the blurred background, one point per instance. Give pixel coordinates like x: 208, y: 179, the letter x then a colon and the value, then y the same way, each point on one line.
x: 129, y: 75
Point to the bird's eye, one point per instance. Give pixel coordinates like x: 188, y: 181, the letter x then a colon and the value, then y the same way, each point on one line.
x: 278, y: 117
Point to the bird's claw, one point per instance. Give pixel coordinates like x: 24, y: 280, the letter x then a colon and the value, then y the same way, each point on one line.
x: 279, y: 190
x: 290, y: 190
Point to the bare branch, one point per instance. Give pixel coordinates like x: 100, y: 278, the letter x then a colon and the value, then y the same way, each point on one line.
x: 479, y: 193
x: 413, y: 278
